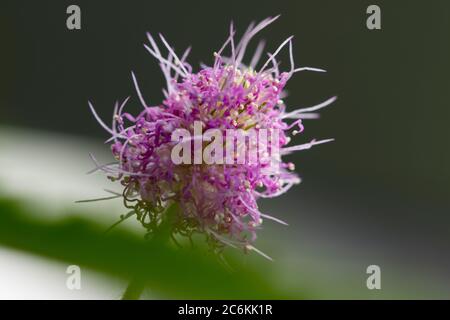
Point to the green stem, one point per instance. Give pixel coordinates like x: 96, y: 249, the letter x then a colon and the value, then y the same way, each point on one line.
x: 134, y: 290
x: 136, y: 286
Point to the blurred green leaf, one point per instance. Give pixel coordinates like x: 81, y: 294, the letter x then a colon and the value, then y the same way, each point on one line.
x: 168, y: 271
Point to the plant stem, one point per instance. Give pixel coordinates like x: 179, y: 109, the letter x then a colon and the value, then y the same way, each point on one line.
x: 162, y: 235
x: 134, y: 290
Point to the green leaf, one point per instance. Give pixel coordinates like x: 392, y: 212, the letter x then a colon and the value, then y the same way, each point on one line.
x: 168, y: 271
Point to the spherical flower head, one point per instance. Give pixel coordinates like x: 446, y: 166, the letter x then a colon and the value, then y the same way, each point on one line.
x: 216, y: 198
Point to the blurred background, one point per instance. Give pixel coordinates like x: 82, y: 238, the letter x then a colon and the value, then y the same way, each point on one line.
x: 379, y: 195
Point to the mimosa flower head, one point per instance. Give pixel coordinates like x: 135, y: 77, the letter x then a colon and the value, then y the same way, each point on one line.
x: 218, y: 199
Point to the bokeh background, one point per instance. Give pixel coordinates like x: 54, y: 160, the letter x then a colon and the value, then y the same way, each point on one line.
x: 378, y: 195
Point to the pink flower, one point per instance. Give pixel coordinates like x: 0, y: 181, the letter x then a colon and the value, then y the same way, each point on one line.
x: 218, y: 200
